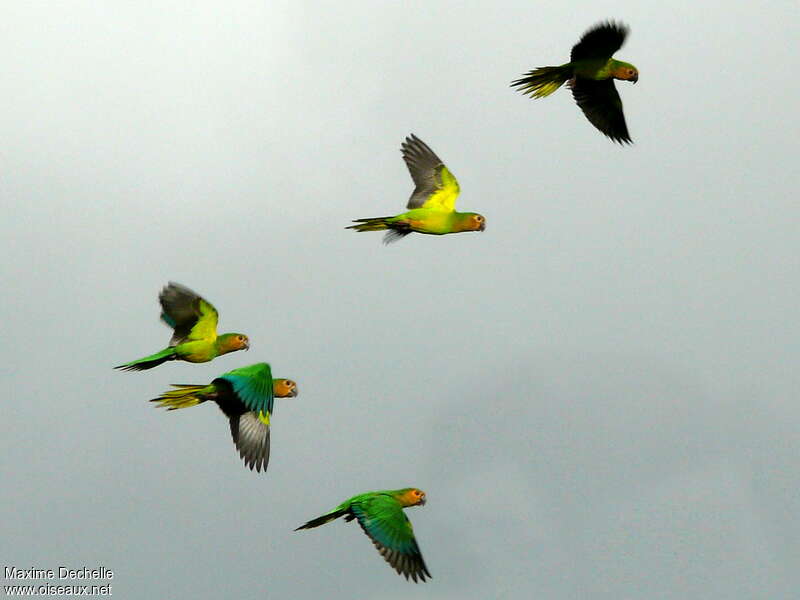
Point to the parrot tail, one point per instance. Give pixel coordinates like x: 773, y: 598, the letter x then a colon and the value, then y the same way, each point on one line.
x: 184, y: 396
x: 148, y: 362
x: 375, y: 224
x: 326, y: 518
x: 543, y: 81
x: 398, y: 229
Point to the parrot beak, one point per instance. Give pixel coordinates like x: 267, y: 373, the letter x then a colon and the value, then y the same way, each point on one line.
x: 247, y: 345
x: 635, y: 78
x: 422, y: 502
x: 294, y: 392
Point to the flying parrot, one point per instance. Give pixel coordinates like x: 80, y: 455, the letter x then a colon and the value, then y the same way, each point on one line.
x: 246, y: 396
x: 381, y: 516
x: 590, y: 73
x: 432, y: 204
x: 195, y: 337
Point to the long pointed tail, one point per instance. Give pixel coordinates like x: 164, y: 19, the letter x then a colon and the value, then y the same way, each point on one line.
x: 543, y: 81
x: 326, y: 518
x: 184, y: 396
x: 397, y: 230
x: 148, y: 362
x: 374, y: 224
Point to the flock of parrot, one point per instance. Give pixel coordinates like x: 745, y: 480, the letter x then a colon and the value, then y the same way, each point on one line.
x: 247, y: 395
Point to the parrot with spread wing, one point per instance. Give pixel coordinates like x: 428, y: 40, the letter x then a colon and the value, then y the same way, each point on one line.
x: 246, y: 396
x: 381, y: 516
x: 432, y: 204
x: 590, y: 74
x: 195, y: 338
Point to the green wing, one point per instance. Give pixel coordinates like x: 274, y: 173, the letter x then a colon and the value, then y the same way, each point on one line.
x: 601, y: 41
x: 601, y: 104
x: 252, y: 386
x: 245, y: 395
x: 192, y: 317
x: 436, y: 187
x: 383, y: 520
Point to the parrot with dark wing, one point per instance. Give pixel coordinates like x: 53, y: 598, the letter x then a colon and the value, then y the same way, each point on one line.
x: 195, y: 338
x: 432, y: 203
x: 246, y: 396
x: 590, y: 74
x: 381, y: 516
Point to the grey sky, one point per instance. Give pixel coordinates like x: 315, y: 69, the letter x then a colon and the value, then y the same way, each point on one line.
x: 598, y: 393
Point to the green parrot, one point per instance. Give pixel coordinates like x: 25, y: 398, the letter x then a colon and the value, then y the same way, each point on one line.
x: 590, y: 73
x: 246, y: 396
x: 381, y: 516
x: 432, y: 204
x: 195, y: 337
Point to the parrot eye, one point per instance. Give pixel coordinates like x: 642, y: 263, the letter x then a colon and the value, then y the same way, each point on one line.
x: 630, y: 71
x: 289, y: 383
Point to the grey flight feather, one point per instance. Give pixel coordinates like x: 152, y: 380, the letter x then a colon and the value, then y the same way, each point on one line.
x: 409, y: 564
x: 251, y: 438
x: 180, y: 309
x: 425, y: 168
x: 601, y: 41
x: 600, y: 102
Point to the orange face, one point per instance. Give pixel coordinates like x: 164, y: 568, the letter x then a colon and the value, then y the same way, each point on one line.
x: 478, y: 222
x: 284, y: 388
x: 626, y: 72
x: 413, y: 497
x: 230, y: 342
x: 470, y: 222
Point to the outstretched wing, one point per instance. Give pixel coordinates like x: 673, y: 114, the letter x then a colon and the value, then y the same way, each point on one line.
x: 251, y: 438
x: 246, y: 397
x: 383, y: 520
x: 252, y: 386
x: 601, y: 41
x: 435, y: 186
x: 601, y: 104
x: 192, y: 317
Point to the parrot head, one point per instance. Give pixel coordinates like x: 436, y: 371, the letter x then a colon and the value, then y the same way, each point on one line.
x: 231, y: 342
x: 411, y: 497
x: 471, y: 222
x: 625, y: 71
x: 284, y: 388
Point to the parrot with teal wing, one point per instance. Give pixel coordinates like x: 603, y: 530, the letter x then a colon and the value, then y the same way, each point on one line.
x: 195, y: 339
x: 432, y: 203
x: 381, y: 516
x: 590, y: 74
x: 246, y: 396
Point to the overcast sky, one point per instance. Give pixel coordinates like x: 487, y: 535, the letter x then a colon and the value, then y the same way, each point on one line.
x: 598, y: 393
